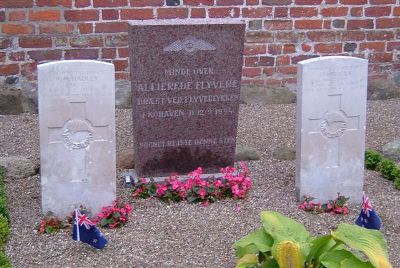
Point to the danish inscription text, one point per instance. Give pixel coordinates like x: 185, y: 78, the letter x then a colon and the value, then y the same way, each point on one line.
x: 185, y: 85
x: 187, y: 99
x: 187, y: 72
x: 188, y: 142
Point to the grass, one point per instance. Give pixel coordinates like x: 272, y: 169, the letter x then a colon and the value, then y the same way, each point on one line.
x: 4, y: 221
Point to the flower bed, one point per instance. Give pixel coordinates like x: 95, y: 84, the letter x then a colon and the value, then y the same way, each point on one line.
x: 234, y: 183
x: 337, y: 206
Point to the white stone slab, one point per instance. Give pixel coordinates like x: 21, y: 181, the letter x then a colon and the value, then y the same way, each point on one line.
x: 331, y: 116
x: 77, y: 135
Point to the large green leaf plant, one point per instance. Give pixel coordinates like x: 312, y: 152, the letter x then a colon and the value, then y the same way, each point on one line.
x: 285, y: 243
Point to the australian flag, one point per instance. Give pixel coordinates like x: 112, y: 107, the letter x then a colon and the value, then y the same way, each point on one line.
x: 368, y: 217
x: 86, y: 231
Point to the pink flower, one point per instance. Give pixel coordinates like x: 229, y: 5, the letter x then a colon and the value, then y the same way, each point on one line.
x: 235, y: 190
x: 161, y: 189
x: 338, y: 210
x: 203, y: 183
x: 188, y: 184
x: 137, y: 192
x: 218, y: 183
x: 128, y: 208
x: 182, y: 194
x: 113, y: 225
x: 202, y: 193
x: 196, y: 173
x: 175, y: 184
x: 205, y: 204
x: 303, y: 205
x: 345, y: 210
x: 228, y: 170
x: 244, y: 167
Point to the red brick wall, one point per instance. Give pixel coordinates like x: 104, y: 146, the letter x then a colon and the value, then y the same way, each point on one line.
x: 279, y: 32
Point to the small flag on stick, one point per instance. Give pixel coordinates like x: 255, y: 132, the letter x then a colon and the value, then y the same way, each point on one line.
x: 86, y: 231
x: 368, y: 218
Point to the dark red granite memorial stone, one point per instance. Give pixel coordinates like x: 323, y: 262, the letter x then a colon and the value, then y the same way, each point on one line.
x: 185, y: 86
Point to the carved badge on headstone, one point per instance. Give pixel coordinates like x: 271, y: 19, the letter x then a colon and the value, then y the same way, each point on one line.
x: 77, y: 134
x: 189, y: 45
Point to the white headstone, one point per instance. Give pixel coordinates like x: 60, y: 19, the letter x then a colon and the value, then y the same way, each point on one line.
x: 331, y: 115
x: 77, y: 135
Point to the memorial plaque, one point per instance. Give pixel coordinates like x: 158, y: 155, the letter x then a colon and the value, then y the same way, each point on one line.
x: 185, y: 84
x: 331, y: 116
x: 77, y: 135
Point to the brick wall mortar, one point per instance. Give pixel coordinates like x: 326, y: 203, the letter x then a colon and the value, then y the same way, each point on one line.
x: 279, y: 32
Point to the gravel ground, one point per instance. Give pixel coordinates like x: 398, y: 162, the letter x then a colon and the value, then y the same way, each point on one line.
x: 187, y: 235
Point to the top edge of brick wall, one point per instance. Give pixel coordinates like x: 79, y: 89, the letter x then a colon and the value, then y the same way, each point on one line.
x: 158, y: 3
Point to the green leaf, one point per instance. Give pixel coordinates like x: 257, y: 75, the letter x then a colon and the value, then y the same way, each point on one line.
x: 249, y: 260
x: 262, y: 241
x: 319, y: 245
x: 290, y: 237
x: 210, y: 189
x: 191, y: 198
x: 343, y: 259
x: 389, y: 169
x: 281, y: 228
x: 369, y: 242
x: 151, y: 188
x: 104, y: 222
x: 396, y: 185
x: 50, y: 230
x: 372, y: 159
x: 355, y: 262
x: 270, y: 263
x: 245, y: 250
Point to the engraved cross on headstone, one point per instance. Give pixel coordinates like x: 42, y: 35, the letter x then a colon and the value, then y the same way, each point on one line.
x: 77, y: 134
x: 332, y: 125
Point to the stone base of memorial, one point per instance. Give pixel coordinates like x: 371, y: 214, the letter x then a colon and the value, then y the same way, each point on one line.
x: 132, y: 177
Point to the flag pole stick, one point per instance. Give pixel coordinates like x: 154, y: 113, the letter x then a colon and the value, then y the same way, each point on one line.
x: 78, y: 238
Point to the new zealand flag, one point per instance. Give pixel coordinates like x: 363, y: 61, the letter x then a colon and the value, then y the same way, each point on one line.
x: 86, y: 231
x: 368, y: 218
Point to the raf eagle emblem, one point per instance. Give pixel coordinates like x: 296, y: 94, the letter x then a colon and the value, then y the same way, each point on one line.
x: 189, y: 45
